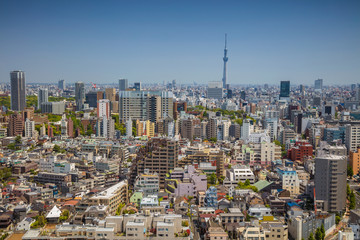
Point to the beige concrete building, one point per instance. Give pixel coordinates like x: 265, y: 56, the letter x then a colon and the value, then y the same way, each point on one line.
x: 112, y: 196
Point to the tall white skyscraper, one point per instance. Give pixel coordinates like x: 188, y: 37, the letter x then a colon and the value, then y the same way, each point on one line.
x: 128, y: 128
x: 29, y: 128
x: 43, y: 96
x: 103, y: 108
x: 245, y: 129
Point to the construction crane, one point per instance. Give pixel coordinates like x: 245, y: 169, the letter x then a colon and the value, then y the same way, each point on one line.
x: 93, y: 86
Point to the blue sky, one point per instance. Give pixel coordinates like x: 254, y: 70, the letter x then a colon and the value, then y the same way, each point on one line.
x: 156, y: 41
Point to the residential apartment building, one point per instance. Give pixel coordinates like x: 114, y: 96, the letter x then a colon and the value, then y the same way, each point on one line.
x: 238, y: 173
x: 112, y: 196
x: 330, y: 182
x: 290, y: 180
x: 148, y: 183
x: 185, y: 182
x: 354, y: 160
x: 16, y: 125
x: 352, y: 136
x: 161, y: 155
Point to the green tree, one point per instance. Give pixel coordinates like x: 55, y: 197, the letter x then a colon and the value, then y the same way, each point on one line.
x: 212, y: 178
x: 348, y: 190
x: 5, y: 174
x: 18, y: 139
x: 57, y: 148
x: 247, y: 183
x: 322, y: 230
x: 64, y: 215
x: 221, y: 179
x: 352, y: 200
x: 350, y: 172
x: 31, y: 101
x: 89, y: 130
x: 318, y: 234
x: 337, y: 219
x: 214, y: 139
x: 311, y: 237
x: 5, y: 101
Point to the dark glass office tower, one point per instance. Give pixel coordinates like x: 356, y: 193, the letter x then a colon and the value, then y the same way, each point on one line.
x: 18, y: 99
x: 284, y: 89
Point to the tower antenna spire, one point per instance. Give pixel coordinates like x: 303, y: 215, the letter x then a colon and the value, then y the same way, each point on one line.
x: 225, y: 59
x: 225, y: 40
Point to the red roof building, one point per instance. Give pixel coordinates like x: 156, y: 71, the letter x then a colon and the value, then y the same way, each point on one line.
x: 300, y: 151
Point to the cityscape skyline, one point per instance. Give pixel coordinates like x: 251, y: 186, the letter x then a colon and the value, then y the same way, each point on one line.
x: 162, y: 41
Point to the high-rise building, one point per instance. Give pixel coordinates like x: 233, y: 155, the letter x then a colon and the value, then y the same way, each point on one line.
x: 29, y: 128
x: 318, y: 85
x: 43, y: 96
x: 105, y: 127
x: 18, y: 98
x: 28, y: 113
x: 123, y: 84
x: 16, y: 125
x: 215, y: 90
x: 61, y: 84
x: 149, y: 128
x: 234, y: 131
x: 163, y: 158
x: 100, y: 95
x: 64, y: 126
x: 211, y: 128
x: 354, y: 160
x: 79, y: 95
x: 154, y: 108
x: 271, y: 125
x: 128, y: 128
x: 245, y: 129
x: 187, y: 129
x: 225, y: 58
x: 91, y: 99
x: 70, y: 127
x: 110, y: 94
x: 243, y: 95
x: 330, y: 181
x: 103, y: 108
x: 137, y: 105
x: 137, y: 86
x: 284, y: 89
x: 352, y: 136
x: 53, y: 107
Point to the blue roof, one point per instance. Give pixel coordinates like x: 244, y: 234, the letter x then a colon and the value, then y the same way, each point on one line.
x: 291, y: 204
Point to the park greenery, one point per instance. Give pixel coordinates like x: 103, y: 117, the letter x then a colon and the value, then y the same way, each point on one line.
x: 64, y: 215
x: 40, y: 222
x: 246, y: 185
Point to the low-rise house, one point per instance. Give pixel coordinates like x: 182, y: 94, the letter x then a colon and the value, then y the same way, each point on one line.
x: 233, y: 216
x: 53, y: 215
x: 275, y: 230
x: 259, y: 211
x: 238, y: 173
x: 25, y: 224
